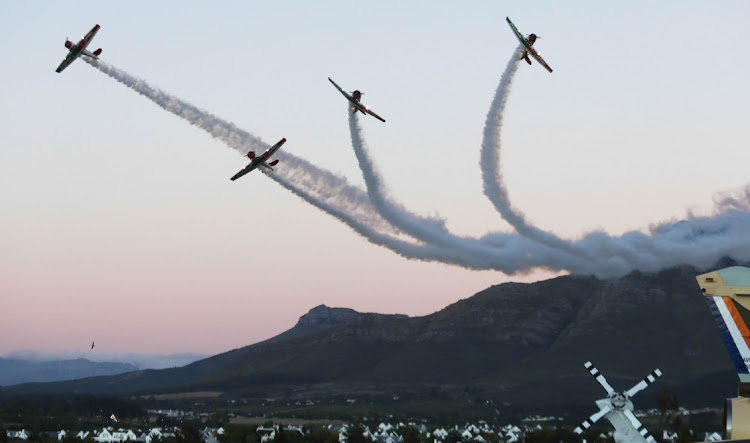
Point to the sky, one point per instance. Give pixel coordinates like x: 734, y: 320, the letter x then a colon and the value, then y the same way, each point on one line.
x: 119, y: 224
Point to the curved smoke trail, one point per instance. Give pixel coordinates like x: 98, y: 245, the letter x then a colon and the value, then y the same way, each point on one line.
x: 432, y: 230
x: 492, y: 179
x: 332, y: 193
x: 698, y: 240
x: 497, y: 192
x: 326, y: 184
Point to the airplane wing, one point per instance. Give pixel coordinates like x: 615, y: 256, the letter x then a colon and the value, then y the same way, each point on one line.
x: 273, y: 149
x: 88, y: 37
x: 519, y: 36
x: 348, y: 97
x: 66, y: 62
x: 538, y: 58
x: 375, y: 115
x: 247, y: 169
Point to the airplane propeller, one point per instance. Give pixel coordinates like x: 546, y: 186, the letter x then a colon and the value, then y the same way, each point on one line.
x: 638, y: 425
x: 593, y: 419
x: 599, y: 377
x: 643, y: 384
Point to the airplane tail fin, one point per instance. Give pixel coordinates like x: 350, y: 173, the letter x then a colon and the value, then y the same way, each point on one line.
x: 728, y: 316
x: 527, y: 59
x: 727, y: 294
x: 97, y: 52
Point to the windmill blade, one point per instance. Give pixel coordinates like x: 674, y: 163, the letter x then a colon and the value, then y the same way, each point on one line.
x: 593, y: 419
x: 643, y: 384
x: 598, y: 376
x: 638, y: 426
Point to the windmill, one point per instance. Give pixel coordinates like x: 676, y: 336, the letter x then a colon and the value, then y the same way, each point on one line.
x: 618, y: 409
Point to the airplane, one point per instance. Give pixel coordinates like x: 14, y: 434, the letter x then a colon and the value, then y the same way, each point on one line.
x: 92, y: 345
x: 354, y: 100
x: 75, y: 51
x: 528, y: 43
x: 260, y: 160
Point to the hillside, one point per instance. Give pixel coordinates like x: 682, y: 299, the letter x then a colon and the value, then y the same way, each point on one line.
x: 13, y: 371
x: 516, y: 344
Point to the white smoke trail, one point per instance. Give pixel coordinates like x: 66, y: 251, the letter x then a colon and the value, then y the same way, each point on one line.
x: 698, y: 241
x: 433, y: 231
x: 323, y: 189
x: 497, y: 192
x: 494, y: 186
x: 668, y: 244
x: 324, y: 183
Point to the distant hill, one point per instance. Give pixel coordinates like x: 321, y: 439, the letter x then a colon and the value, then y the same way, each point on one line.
x: 139, y: 360
x: 14, y: 371
x: 513, y: 344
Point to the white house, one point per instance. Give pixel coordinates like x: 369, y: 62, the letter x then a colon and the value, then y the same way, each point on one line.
x: 23, y: 434
x: 439, y: 434
x: 159, y: 433
x: 511, y: 434
x: 267, y: 433
x: 209, y: 434
x: 713, y: 436
x: 110, y: 435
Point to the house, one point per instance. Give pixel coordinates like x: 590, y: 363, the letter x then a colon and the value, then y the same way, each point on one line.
x: 713, y: 436
x: 56, y: 435
x: 110, y: 435
x: 23, y: 434
x: 511, y: 434
x: 439, y: 434
x: 159, y: 433
x: 209, y: 434
x: 267, y: 433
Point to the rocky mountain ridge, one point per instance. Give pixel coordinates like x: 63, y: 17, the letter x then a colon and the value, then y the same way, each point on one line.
x: 512, y: 343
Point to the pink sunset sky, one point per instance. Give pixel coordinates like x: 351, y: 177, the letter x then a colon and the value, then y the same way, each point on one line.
x: 119, y: 223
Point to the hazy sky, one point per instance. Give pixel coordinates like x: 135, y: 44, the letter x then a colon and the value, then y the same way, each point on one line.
x: 118, y: 221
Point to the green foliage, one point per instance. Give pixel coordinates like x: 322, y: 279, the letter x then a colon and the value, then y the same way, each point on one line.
x: 89, y: 405
x: 355, y: 434
x: 666, y: 401
x: 557, y: 435
x: 409, y: 434
x: 239, y: 434
x: 490, y: 437
x: 322, y: 435
x: 189, y: 433
x: 288, y: 437
x: 453, y: 437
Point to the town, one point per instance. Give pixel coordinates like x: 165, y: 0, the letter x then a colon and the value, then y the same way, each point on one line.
x: 189, y: 426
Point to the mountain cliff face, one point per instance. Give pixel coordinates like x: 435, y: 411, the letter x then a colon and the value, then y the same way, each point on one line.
x: 516, y: 343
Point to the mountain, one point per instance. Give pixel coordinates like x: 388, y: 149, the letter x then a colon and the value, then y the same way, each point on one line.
x: 139, y: 360
x: 14, y: 371
x: 514, y: 344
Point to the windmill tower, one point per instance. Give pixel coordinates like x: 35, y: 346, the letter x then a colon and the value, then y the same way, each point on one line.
x: 618, y: 409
